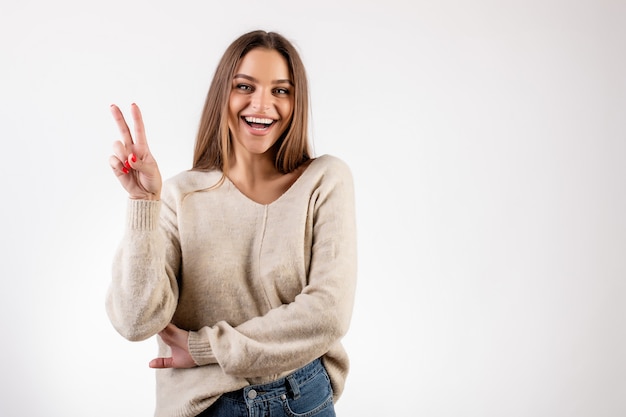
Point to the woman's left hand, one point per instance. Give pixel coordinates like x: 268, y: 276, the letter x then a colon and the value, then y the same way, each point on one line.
x: 176, y: 339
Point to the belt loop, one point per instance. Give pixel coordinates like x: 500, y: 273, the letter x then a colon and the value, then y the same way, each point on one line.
x: 295, y: 389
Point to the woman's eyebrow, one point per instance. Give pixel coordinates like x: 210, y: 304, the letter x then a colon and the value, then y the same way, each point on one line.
x: 254, y: 80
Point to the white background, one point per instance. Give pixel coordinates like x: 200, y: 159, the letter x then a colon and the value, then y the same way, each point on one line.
x: 487, y: 141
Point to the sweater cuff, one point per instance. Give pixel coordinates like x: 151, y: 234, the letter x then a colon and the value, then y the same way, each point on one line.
x: 143, y: 215
x: 200, y: 347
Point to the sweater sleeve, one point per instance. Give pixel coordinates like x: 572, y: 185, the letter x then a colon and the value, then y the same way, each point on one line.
x: 291, y: 335
x: 143, y: 292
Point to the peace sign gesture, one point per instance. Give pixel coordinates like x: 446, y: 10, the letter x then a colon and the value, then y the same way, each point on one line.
x: 132, y: 161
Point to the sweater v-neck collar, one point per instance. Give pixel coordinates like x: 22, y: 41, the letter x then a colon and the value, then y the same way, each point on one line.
x: 280, y: 197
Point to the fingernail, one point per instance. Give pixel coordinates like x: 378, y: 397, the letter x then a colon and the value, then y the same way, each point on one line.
x: 125, y: 170
x: 133, y: 157
x: 126, y: 165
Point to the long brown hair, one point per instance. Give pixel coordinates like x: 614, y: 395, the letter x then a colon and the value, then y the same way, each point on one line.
x: 213, y: 143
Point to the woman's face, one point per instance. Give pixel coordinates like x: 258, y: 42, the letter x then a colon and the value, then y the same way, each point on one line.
x: 261, y: 101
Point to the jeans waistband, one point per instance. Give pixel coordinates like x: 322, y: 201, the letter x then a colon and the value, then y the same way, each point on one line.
x: 288, y: 385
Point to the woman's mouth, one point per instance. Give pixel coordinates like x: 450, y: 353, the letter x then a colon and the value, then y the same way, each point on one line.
x: 258, y: 123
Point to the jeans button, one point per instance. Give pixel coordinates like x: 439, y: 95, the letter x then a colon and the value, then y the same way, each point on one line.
x: 252, y: 394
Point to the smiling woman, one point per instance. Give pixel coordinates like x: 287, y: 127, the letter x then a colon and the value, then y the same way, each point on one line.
x: 245, y: 265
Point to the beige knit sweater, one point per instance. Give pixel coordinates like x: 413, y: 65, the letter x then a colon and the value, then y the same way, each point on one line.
x: 263, y: 289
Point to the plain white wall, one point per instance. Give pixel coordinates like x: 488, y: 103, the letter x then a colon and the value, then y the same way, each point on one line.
x: 487, y: 141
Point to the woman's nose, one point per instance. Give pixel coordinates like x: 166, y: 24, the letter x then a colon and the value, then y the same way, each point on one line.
x: 261, y: 101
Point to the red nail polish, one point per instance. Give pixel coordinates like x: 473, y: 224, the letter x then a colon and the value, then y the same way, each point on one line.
x: 133, y: 157
x: 126, y: 165
x: 125, y: 170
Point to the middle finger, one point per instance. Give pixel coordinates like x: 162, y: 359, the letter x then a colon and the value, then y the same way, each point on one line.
x: 122, y: 125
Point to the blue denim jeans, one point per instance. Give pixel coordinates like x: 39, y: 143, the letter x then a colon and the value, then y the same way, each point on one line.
x: 304, y: 393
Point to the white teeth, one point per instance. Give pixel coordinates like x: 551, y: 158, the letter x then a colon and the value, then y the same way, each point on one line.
x: 259, y: 120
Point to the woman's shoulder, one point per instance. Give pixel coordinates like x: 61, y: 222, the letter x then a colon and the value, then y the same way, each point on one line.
x: 330, y: 165
x: 189, y: 181
x: 326, y: 172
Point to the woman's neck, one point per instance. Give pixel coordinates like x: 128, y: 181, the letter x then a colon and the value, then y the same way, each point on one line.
x: 258, y: 179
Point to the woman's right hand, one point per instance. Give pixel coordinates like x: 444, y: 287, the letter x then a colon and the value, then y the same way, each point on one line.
x: 132, y: 161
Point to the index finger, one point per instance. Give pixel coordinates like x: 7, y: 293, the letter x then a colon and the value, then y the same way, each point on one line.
x: 161, y: 363
x: 121, y: 124
x: 140, y: 131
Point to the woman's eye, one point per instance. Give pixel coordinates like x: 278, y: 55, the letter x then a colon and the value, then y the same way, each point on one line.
x: 243, y: 87
x: 281, y: 91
